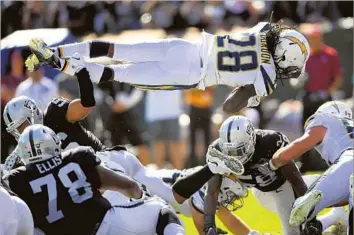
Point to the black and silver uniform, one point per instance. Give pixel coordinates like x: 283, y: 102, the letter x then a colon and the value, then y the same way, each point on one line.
x: 71, y: 134
x: 62, y: 192
x: 262, y: 178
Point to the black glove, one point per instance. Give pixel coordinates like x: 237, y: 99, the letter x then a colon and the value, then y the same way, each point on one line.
x: 312, y: 227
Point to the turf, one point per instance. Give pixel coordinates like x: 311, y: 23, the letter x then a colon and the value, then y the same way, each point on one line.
x: 257, y: 217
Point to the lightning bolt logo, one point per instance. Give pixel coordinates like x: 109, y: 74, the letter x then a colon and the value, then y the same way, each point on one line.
x: 299, y: 43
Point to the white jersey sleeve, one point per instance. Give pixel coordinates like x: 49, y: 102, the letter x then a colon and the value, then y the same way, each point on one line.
x: 239, y: 59
x: 338, y: 138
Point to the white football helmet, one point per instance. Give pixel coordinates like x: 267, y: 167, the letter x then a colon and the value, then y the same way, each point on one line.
x: 38, y: 143
x: 291, y: 53
x: 237, y: 138
x: 19, y: 110
x: 336, y: 107
x: 232, y: 192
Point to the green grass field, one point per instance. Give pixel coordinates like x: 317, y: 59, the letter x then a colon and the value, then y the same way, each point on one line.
x: 252, y: 213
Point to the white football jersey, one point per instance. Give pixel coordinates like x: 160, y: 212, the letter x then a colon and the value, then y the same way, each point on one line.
x: 239, y: 59
x: 339, y: 135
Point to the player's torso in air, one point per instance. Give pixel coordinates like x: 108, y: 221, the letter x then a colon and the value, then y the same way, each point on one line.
x: 71, y: 134
x: 262, y: 178
x: 239, y: 59
x: 62, y: 192
x: 338, y: 138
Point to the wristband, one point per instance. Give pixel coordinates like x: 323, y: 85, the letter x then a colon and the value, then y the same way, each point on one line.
x: 271, y: 165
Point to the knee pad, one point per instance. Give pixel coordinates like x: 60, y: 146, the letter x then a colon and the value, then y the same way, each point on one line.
x: 166, y: 216
x: 99, y: 48
x: 107, y: 75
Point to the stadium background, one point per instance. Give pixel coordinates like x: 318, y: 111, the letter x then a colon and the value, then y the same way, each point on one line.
x: 182, y: 113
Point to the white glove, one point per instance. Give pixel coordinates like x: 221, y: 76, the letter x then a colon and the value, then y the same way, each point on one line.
x: 75, y: 64
x: 220, y: 163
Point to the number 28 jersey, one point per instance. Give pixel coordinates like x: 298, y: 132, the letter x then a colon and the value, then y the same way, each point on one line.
x: 62, y: 192
x: 239, y: 59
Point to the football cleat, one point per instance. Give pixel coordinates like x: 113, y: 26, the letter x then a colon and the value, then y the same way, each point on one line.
x: 32, y: 63
x: 220, y: 163
x: 44, y: 54
x: 303, y: 206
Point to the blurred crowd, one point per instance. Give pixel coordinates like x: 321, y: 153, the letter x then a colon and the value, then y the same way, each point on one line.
x: 114, y: 16
x: 171, y: 127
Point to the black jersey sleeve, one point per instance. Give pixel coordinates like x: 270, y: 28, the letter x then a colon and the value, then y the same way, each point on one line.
x: 57, y: 109
x: 88, y: 161
x: 17, y: 181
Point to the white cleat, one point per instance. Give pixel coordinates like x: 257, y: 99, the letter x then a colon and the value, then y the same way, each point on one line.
x: 303, y: 206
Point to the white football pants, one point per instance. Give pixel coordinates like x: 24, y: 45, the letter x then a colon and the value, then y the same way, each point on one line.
x: 334, y: 183
x: 167, y: 64
x: 136, y: 218
x: 127, y: 163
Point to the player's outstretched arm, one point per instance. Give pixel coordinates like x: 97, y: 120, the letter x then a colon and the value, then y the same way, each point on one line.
x: 79, y: 108
x: 211, y: 203
x: 184, y: 188
x: 293, y: 175
x: 298, y: 147
x: 234, y: 224
x: 238, y: 98
x: 116, y: 181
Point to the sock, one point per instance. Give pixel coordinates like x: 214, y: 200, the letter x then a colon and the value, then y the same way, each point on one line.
x: 334, y: 215
x: 174, y: 229
x: 188, y: 185
x: 83, y: 48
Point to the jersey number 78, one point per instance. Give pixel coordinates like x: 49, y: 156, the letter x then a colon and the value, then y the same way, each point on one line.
x: 73, y: 188
x: 234, y: 61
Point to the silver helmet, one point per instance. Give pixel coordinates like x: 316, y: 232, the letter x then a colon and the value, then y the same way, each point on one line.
x: 19, y: 110
x: 232, y: 192
x: 237, y: 138
x: 38, y: 143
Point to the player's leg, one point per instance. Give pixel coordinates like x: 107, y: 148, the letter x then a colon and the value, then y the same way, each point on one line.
x: 155, y: 50
x: 123, y: 219
x: 283, y: 198
x: 25, y: 225
x: 335, y: 216
x: 136, y: 170
x: 178, y: 68
x: 332, y: 187
x: 8, y: 215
